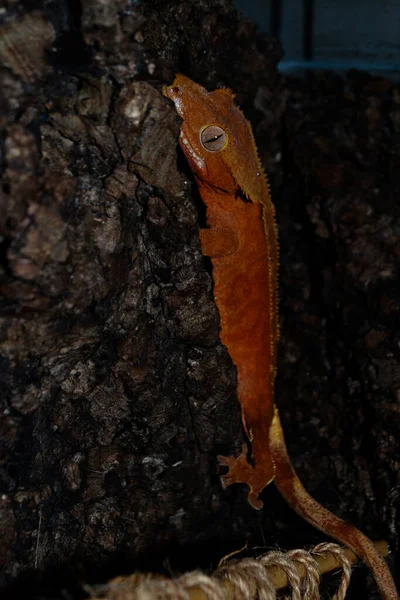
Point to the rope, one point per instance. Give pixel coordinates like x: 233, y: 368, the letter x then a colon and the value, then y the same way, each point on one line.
x: 345, y: 564
x: 312, y: 574
x: 243, y: 579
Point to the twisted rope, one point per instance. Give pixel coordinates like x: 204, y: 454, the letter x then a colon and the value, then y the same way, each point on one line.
x: 312, y: 574
x: 345, y: 564
x: 244, y: 579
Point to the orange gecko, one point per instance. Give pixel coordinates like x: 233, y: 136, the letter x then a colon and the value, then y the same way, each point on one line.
x: 241, y: 240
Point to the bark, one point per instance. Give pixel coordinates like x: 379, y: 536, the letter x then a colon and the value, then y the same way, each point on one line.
x: 117, y: 393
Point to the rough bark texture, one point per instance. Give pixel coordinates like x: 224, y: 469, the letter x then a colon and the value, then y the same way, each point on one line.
x: 117, y: 394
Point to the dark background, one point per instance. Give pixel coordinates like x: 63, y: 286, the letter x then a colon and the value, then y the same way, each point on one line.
x: 331, y: 35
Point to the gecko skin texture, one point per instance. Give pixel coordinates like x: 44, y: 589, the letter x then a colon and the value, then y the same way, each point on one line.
x: 241, y: 240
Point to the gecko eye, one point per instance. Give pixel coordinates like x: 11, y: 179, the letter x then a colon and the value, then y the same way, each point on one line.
x: 213, y: 138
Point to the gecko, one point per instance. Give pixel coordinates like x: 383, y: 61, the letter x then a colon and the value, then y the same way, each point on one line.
x: 241, y: 239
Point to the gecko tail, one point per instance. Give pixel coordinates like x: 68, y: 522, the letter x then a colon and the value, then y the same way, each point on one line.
x: 304, y: 505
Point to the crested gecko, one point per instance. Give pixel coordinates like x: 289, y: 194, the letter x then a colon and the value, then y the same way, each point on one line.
x: 241, y: 240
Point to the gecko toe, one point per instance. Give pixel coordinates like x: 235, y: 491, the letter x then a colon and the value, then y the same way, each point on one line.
x: 255, y: 501
x: 224, y: 481
x: 225, y: 461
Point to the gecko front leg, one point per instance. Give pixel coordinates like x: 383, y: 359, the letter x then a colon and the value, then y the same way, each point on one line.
x: 218, y: 241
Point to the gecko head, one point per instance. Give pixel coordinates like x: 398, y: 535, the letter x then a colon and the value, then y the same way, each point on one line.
x: 217, y: 140
x: 205, y: 136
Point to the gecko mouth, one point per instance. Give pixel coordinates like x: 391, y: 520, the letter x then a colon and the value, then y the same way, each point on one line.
x: 189, y: 150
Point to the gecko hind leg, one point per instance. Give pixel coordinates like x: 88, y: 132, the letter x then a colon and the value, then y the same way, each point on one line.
x: 241, y: 471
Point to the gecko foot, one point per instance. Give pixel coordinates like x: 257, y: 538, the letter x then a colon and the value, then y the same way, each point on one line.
x: 238, y: 468
x: 240, y: 471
